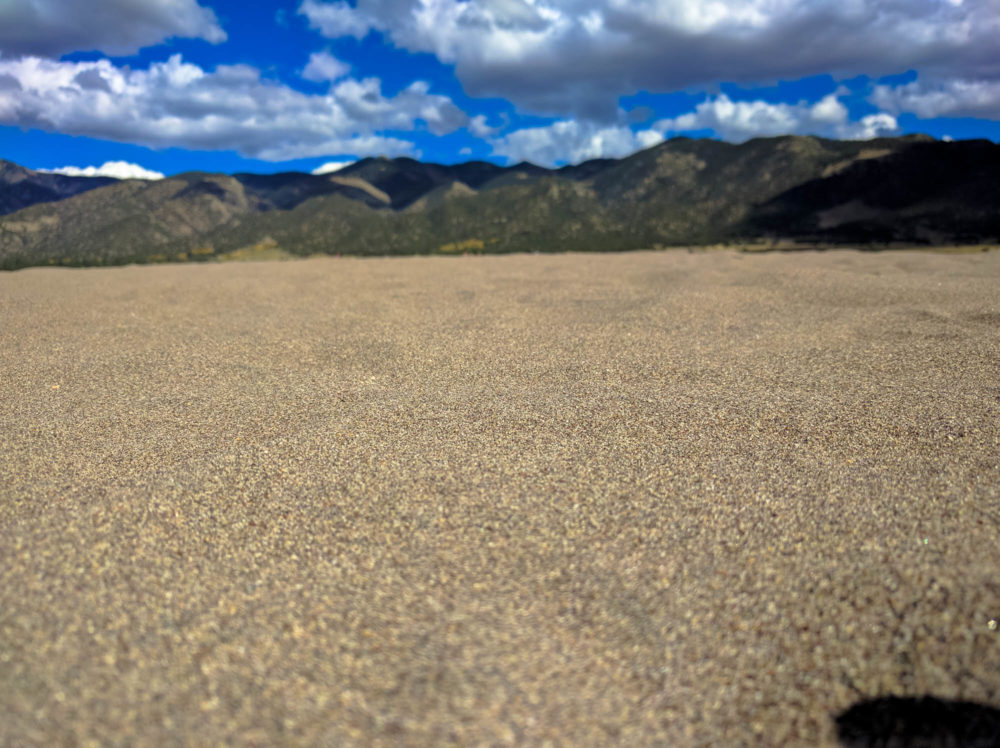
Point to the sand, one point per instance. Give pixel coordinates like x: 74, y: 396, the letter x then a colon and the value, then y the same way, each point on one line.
x: 653, y: 498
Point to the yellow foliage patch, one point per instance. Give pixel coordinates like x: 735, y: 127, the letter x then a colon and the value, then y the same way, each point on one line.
x: 266, y: 249
x: 463, y: 246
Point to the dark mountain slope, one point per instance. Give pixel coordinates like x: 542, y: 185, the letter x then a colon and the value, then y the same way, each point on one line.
x: 135, y: 220
x: 698, y: 191
x: 406, y: 180
x: 542, y: 214
x: 286, y: 190
x: 123, y: 222
x: 21, y: 188
x: 927, y: 192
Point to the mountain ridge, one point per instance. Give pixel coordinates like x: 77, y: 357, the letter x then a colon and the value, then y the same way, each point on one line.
x: 680, y: 192
x: 21, y: 187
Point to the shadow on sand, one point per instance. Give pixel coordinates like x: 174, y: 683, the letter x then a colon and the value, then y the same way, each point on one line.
x: 924, y: 722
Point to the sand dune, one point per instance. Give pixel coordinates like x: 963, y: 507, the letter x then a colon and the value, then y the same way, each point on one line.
x: 650, y: 498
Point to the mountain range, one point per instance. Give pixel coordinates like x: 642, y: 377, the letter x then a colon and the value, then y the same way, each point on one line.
x: 909, y: 190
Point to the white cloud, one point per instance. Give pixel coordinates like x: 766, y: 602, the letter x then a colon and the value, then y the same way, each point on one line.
x: 325, y: 67
x: 868, y: 127
x: 478, y: 127
x: 50, y: 28
x: 561, y: 58
x: 572, y: 141
x: 175, y: 103
x: 942, y: 98
x: 337, y: 19
x: 330, y: 166
x: 741, y: 120
x: 116, y: 169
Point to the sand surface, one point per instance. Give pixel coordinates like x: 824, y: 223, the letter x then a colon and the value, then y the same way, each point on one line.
x: 653, y: 498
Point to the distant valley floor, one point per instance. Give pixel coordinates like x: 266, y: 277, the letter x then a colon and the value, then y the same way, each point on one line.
x: 269, y: 251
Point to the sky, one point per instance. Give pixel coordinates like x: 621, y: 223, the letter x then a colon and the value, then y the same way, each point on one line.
x: 143, y: 88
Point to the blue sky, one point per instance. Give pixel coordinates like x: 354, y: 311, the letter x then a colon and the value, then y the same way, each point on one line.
x: 165, y: 86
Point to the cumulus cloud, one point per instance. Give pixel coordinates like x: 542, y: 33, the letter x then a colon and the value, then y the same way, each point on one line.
x: 175, y: 103
x: 51, y: 28
x: 325, y: 67
x: 572, y: 141
x: 553, y: 56
x: 575, y: 140
x: 870, y: 126
x: 942, y: 98
x: 330, y: 166
x: 337, y: 19
x: 479, y: 128
x: 116, y: 169
x: 741, y: 120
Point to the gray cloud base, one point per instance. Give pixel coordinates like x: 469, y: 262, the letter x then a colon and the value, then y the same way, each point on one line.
x: 50, y: 28
x: 565, y: 58
x: 930, y: 98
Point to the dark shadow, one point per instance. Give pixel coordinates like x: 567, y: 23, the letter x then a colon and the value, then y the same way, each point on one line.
x: 924, y: 722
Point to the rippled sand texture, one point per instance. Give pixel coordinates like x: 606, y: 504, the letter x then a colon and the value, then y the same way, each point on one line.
x: 693, y: 499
